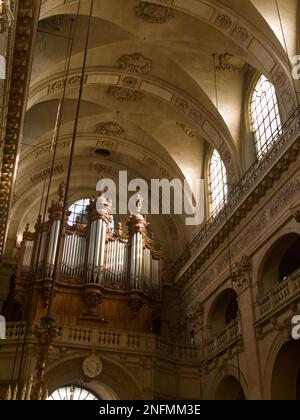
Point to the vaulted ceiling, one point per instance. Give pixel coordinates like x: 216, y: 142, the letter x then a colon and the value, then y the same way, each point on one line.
x: 149, y: 93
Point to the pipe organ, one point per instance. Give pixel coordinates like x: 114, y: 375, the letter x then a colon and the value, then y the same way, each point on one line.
x: 104, y: 275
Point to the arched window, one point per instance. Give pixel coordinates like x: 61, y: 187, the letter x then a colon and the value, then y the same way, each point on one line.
x: 69, y: 393
x: 264, y: 116
x: 218, y: 186
x: 78, y: 211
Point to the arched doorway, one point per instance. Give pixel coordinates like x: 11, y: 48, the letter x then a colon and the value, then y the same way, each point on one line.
x: 225, y: 311
x: 230, y: 389
x: 282, y: 260
x: 286, y: 373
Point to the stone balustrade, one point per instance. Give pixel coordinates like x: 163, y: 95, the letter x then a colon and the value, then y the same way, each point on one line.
x: 279, y: 297
x: 229, y: 336
x: 101, y: 339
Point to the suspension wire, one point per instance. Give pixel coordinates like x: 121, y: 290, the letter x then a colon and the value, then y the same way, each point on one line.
x: 54, y: 142
x: 286, y: 48
x: 70, y: 165
x: 226, y: 222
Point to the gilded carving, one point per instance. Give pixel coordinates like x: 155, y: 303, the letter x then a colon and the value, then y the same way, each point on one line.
x: 6, y: 16
x: 135, y: 63
x: 153, y: 13
x: 124, y: 94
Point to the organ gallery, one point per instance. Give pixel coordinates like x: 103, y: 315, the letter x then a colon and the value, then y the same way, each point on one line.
x: 149, y: 201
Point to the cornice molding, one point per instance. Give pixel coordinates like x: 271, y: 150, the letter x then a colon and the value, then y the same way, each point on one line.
x: 251, y: 189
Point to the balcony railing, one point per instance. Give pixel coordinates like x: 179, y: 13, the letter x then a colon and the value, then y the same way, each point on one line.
x: 120, y: 341
x: 224, y: 339
x: 242, y: 190
x: 280, y: 296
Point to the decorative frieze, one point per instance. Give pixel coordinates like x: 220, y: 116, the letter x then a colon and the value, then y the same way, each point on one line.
x: 41, y: 176
x: 124, y: 94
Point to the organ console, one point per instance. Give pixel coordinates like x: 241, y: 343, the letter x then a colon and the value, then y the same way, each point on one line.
x: 104, y: 275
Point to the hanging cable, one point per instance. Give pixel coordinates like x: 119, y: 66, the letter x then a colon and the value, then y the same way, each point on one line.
x: 70, y: 165
x: 73, y: 28
x: 226, y: 219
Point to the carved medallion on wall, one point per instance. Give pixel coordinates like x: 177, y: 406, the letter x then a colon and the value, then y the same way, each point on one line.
x: 92, y: 366
x: 153, y: 13
x: 223, y: 22
x: 111, y: 129
x: 124, y: 94
x: 135, y: 63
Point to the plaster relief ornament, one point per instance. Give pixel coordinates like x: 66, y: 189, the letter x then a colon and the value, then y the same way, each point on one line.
x: 110, y: 129
x: 92, y: 366
x: 135, y: 63
x: 153, y: 13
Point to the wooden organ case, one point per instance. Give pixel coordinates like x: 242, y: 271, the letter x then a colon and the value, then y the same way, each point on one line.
x: 104, y: 276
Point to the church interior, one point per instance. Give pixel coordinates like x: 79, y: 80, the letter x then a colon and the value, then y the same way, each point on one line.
x: 99, y: 304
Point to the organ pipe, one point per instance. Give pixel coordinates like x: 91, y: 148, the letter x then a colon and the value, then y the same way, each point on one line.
x: 95, y: 253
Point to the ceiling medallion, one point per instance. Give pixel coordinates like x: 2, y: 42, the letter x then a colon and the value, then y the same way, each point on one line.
x: 92, y: 366
x: 153, y: 13
x: 109, y: 129
x: 135, y: 63
x: 124, y: 94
